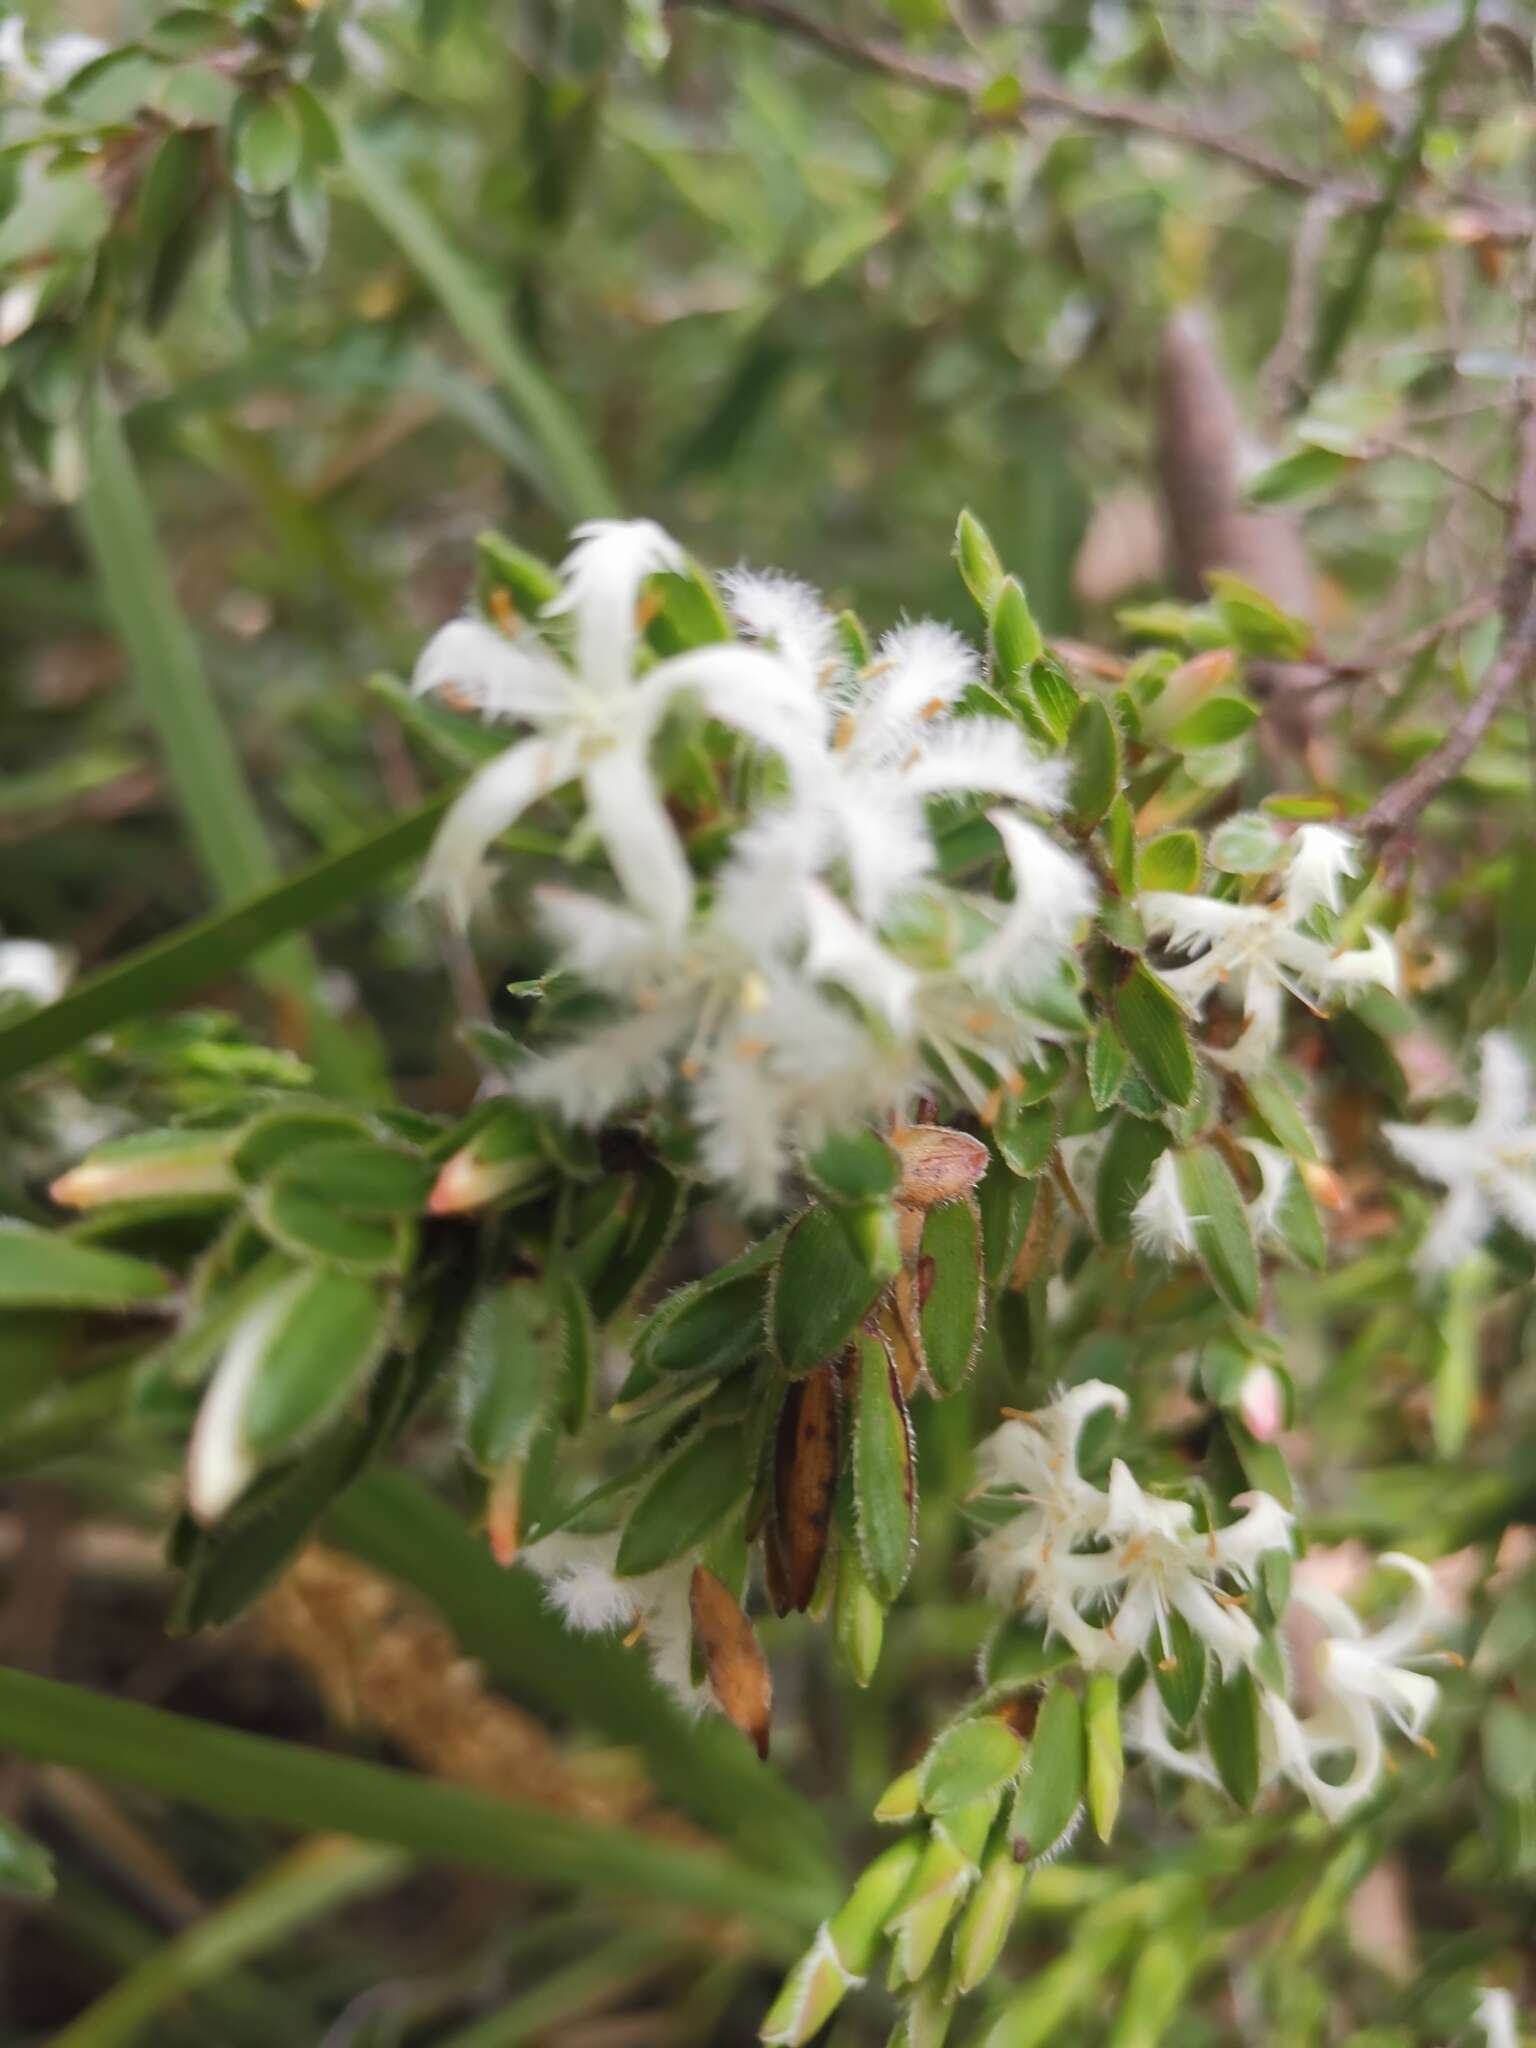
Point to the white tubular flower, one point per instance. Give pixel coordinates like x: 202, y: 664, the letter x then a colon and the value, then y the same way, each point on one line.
x: 1361, y: 1677
x: 34, y: 970
x: 595, y: 721
x: 1147, y: 1561
x: 1145, y: 1728
x: 1487, y: 1167
x: 1258, y: 948
x: 219, y: 1462
x: 580, y: 1582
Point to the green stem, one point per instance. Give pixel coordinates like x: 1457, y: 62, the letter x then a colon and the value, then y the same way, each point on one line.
x: 1343, y: 308
x: 314, y: 1879
x: 231, y: 1772
x: 574, y: 477
x: 625, y: 1960
x: 200, y: 757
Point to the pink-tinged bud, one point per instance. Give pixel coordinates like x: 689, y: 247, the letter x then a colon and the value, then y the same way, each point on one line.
x: 1261, y: 1403
x: 504, y: 1157
x: 1322, y: 1184
x: 160, y: 1166
x: 937, y: 1165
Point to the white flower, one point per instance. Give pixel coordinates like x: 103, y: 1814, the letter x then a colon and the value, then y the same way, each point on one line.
x: 1258, y: 948
x: 595, y: 720
x: 1487, y: 1167
x: 1360, y: 1677
x: 1160, y: 1223
x: 788, y: 616
x: 1107, y: 1570
x: 34, y: 970
x: 580, y: 1581
x: 1496, y: 2014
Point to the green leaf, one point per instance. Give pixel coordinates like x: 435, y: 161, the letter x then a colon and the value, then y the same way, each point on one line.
x: 1246, y: 845
x: 334, y: 1329
x: 1458, y: 1352
x: 855, y: 1165
x: 686, y: 1502
x: 1120, y: 837
x: 306, y: 1225
x: 1020, y: 1653
x: 41, y: 1269
x: 1213, y: 723
x: 1093, y: 754
x: 26, y: 1867
x: 1108, y: 1064
x: 510, y: 1358
x: 501, y: 565
x: 1302, y: 474
x: 1106, y: 1752
x: 716, y: 1323
x: 980, y: 568
x: 1054, y: 698
x: 1057, y: 1774
x: 884, y: 1472
x: 266, y: 143
x: 1024, y: 1134
x: 1016, y: 641
x: 361, y: 1176
x: 1276, y: 1103
x: 822, y: 1291
x: 1223, y: 1235
x: 1170, y: 861
x: 1300, y: 1226
x: 973, y: 1760
x: 1151, y: 1022
x: 653, y: 1211
x: 271, y: 1140
x: 951, y: 1316
x: 1006, y: 1204
x: 1255, y: 622
x: 228, y: 1771
x: 1180, y: 1673
x: 1231, y: 1725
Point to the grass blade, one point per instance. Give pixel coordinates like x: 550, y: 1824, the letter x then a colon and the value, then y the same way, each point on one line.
x: 188, y: 960
x: 502, y: 1620
x: 200, y: 757
x: 314, y: 1879
x: 231, y: 1772
x: 573, y: 476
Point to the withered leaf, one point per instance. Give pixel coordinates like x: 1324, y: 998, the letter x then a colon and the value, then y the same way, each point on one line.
x: 733, y: 1658
x: 937, y: 1165
x: 805, y: 1479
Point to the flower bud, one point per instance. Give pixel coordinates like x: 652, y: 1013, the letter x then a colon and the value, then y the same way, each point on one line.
x: 860, y: 1921
x: 924, y: 2018
x: 843, y: 1949
x: 157, y: 1166
x: 937, y: 1165
x: 1261, y: 1403
x: 950, y: 1866
x: 858, y: 1620
x: 899, y: 1801
x: 809, y: 1995
x: 503, y: 1157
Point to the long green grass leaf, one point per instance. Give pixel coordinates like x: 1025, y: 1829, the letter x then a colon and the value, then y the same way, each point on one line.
x: 315, y: 1879
x: 502, y: 1620
x: 572, y: 473
x: 199, y: 755
x: 188, y: 960
x: 230, y: 1772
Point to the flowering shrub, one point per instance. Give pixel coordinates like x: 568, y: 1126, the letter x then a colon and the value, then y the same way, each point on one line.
x: 923, y: 1027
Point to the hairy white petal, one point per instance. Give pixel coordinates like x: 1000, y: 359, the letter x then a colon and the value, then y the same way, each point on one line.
x: 31, y: 968
x: 1321, y: 857
x: 494, y: 800
x: 511, y: 679
x: 639, y: 839
x: 614, y: 949
x: 220, y: 1465
x: 782, y: 613
x: 1160, y: 1222
x: 986, y: 757
x: 603, y: 573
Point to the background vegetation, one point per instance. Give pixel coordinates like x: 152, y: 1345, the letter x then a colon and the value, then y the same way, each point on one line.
x: 295, y: 302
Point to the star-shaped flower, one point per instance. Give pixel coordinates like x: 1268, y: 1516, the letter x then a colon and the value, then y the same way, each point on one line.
x: 1487, y: 1167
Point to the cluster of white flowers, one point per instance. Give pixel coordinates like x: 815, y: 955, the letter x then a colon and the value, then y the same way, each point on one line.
x: 1106, y: 1569
x: 824, y: 974
x: 1487, y: 1167
x: 1260, y: 950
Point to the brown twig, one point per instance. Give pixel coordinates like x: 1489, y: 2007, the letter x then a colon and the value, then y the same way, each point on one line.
x: 1398, y: 806
x: 1494, y: 219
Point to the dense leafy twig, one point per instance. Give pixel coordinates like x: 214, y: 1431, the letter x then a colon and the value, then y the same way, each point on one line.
x: 1495, y: 219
